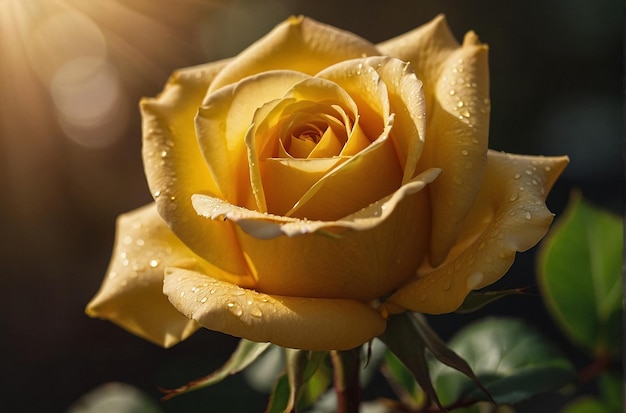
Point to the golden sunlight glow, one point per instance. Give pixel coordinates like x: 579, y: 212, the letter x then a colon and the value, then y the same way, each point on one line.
x: 75, y: 57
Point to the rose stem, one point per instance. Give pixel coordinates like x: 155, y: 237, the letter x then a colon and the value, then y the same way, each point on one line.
x: 347, y: 365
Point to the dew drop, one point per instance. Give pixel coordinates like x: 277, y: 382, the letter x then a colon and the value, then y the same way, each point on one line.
x: 238, y: 292
x: 157, y: 194
x: 140, y: 242
x: 212, y: 291
x: 517, y: 176
x: 230, y: 304
x: 203, y: 300
x: 256, y: 312
x: 128, y: 239
x: 138, y: 267
x: 465, y: 113
x: 460, y: 104
x: 474, y: 280
x: 528, y: 215
x: 464, y: 152
x: 163, y: 154
x: 513, y: 196
x: 457, y: 179
x: 154, y: 263
x: 112, y: 274
x: 182, y: 293
x: 547, y: 169
x: 452, y: 92
x: 481, y: 246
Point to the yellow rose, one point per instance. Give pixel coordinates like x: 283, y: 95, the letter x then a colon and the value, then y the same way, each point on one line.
x: 317, y: 183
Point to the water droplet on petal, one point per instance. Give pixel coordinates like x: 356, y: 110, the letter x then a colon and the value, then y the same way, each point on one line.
x: 513, y: 196
x: 203, y: 300
x: 474, y: 280
x: 256, y: 312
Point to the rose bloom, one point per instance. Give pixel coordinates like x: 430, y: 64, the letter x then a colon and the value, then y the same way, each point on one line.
x: 315, y: 185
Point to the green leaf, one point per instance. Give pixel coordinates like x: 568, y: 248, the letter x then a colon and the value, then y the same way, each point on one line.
x: 246, y: 352
x: 612, y: 391
x: 585, y: 405
x: 580, y: 275
x: 510, y: 359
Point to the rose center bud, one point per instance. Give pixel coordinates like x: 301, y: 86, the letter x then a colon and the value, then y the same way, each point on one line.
x: 308, y: 136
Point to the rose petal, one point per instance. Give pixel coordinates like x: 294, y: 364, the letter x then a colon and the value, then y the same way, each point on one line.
x: 274, y: 184
x: 509, y: 215
x: 132, y: 292
x: 457, y: 136
x: 426, y: 47
x: 222, y: 123
x: 294, y: 322
x: 357, y: 257
x: 267, y: 226
x: 175, y: 167
x: 456, y: 88
x: 300, y: 44
x: 383, y: 85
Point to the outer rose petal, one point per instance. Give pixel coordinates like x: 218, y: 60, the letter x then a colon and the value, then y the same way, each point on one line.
x: 312, y: 261
x: 508, y: 216
x: 175, y: 168
x: 303, y: 323
x: 299, y: 44
x: 456, y: 87
x: 132, y: 292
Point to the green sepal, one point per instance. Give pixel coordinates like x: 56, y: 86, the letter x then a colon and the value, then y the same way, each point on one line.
x: 402, y: 382
x: 580, y: 276
x: 408, y: 336
x: 279, y: 398
x: 305, y: 379
x: 246, y: 352
x: 511, y: 360
x: 476, y: 300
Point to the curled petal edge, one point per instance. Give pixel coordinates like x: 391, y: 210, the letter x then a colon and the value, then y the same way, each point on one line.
x: 504, y: 220
x: 293, y: 322
x: 268, y: 226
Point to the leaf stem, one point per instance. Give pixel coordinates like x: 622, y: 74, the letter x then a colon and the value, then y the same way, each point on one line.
x: 346, y: 366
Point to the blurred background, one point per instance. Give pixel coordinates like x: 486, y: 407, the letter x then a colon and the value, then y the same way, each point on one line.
x: 71, y: 75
